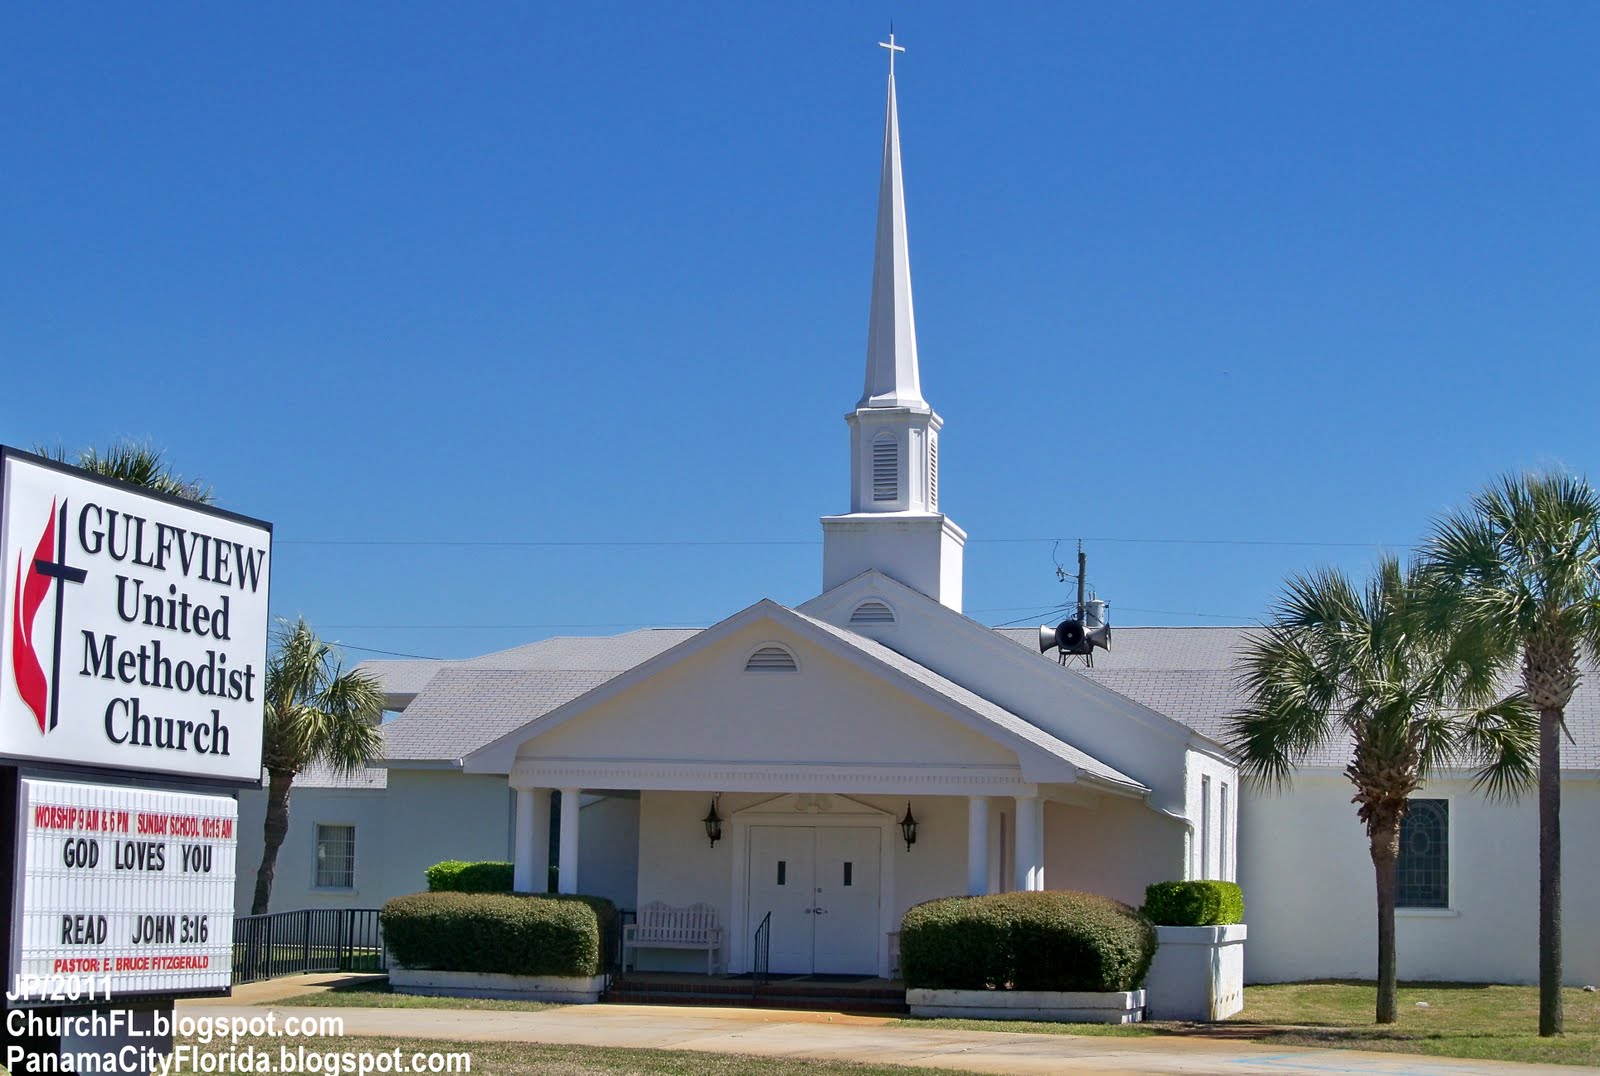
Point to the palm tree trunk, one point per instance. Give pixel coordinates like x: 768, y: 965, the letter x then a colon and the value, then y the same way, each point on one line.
x: 1550, y: 1016
x: 273, y: 832
x: 1385, y: 842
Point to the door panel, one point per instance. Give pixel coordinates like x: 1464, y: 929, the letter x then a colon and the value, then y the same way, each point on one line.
x: 782, y: 881
x: 846, y: 916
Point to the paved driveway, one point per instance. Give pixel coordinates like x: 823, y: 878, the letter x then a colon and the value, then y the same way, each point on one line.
x: 800, y: 1035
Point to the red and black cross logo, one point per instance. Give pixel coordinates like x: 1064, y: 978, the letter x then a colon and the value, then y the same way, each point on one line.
x: 48, y: 569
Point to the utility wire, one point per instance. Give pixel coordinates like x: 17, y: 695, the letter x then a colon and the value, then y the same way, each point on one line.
x: 484, y: 543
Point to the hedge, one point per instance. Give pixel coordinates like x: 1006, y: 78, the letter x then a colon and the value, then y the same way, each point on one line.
x: 1053, y: 940
x: 1194, y: 904
x: 455, y: 876
x: 493, y: 932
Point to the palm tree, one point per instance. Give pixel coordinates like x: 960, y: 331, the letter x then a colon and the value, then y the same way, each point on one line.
x: 1346, y: 661
x: 137, y: 463
x: 315, y: 712
x: 1522, y: 564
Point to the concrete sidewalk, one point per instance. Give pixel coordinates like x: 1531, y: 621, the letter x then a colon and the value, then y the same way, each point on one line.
x: 835, y: 1036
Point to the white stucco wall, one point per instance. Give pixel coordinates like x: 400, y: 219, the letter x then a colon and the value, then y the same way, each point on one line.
x: 1211, y: 790
x: 292, y: 886
x: 608, y: 850
x: 1309, y: 888
x: 1115, y: 848
x: 433, y: 815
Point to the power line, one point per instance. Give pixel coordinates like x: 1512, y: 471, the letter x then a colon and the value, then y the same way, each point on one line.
x: 520, y: 543
x: 390, y: 653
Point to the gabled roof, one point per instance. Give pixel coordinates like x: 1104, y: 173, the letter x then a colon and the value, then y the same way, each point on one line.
x: 1187, y: 673
x: 465, y: 704
x: 978, y: 714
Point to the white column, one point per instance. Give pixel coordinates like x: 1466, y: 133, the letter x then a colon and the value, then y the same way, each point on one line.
x: 541, y: 840
x: 567, y: 861
x: 530, y: 854
x: 522, y: 843
x: 977, y: 845
x: 1029, y: 858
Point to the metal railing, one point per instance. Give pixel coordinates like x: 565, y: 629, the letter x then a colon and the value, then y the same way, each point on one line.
x: 312, y: 939
x: 761, y: 950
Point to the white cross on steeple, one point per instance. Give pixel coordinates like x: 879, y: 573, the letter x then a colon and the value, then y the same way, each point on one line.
x: 892, y: 47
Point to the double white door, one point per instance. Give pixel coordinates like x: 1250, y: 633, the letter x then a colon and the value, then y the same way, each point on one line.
x: 821, y: 885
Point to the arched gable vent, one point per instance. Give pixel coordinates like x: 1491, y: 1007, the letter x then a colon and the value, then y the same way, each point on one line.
x: 771, y: 659
x: 872, y: 612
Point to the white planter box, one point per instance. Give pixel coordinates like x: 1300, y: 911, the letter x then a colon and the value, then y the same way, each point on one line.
x: 1123, y: 1007
x: 475, y: 984
x: 1198, y: 973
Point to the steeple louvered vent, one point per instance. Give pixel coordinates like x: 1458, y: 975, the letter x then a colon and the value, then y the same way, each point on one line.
x: 771, y: 659
x: 872, y: 612
x: 933, y: 473
x: 885, y: 468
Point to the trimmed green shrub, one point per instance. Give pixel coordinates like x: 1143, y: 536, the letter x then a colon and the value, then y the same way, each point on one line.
x: 1194, y: 904
x: 1052, y: 940
x: 455, y: 876
x: 494, y: 932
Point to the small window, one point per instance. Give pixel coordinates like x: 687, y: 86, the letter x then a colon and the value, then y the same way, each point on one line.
x: 771, y: 659
x: 885, y: 468
x: 1422, y: 875
x: 1205, y: 827
x: 849, y: 872
x: 1222, y: 836
x: 872, y: 612
x: 783, y: 872
x: 933, y: 472
x: 336, y: 857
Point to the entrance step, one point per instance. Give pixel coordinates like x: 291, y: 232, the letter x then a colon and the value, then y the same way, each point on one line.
x: 822, y: 993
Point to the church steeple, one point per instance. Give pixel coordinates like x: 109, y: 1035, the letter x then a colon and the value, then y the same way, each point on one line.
x: 894, y: 524
x: 892, y: 377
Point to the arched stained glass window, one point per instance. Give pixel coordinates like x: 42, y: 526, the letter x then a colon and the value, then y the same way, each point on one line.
x: 1423, y: 872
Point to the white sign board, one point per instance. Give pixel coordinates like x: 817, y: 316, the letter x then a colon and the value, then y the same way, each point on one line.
x: 131, y: 887
x: 133, y: 627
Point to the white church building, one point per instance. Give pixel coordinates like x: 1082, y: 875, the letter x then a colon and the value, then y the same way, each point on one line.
x: 813, y: 733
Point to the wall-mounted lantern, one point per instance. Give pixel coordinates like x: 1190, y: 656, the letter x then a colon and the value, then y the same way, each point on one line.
x: 908, y: 828
x: 713, y: 823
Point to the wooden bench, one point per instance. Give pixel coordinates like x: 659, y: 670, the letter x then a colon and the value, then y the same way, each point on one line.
x: 662, y: 926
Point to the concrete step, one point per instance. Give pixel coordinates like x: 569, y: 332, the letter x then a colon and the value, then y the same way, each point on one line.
x: 764, y: 998
x: 796, y: 992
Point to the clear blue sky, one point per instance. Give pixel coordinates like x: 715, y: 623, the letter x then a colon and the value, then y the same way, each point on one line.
x: 1299, y: 273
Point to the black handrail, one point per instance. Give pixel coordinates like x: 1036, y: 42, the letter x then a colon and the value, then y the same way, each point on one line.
x: 761, y: 950
x: 311, y: 939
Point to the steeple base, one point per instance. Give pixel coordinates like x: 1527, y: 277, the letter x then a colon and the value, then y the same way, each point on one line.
x: 921, y: 550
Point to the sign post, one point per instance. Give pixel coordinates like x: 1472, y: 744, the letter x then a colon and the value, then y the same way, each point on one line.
x: 133, y: 639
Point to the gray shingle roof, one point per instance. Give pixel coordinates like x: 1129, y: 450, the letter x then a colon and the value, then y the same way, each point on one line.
x: 319, y: 776
x: 961, y: 696
x: 1187, y: 674
x: 464, y: 705
x: 464, y: 708
x: 402, y: 677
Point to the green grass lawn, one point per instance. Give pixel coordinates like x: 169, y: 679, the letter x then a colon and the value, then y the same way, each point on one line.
x: 1461, y: 1020
x: 524, y: 1059
x: 375, y: 994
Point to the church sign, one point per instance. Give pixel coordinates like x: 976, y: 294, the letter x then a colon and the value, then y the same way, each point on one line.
x: 127, y: 890
x: 133, y: 627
